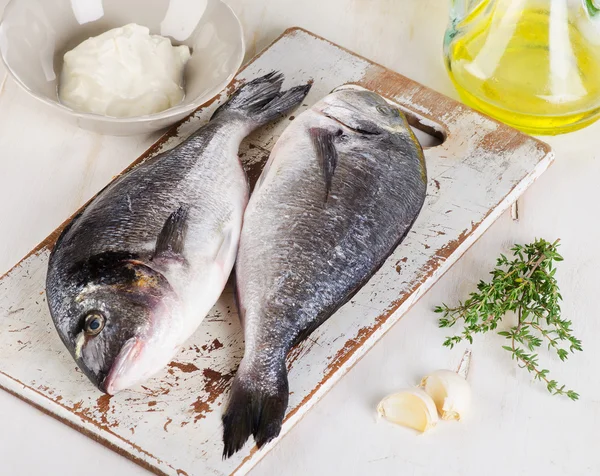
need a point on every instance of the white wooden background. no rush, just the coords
(48, 170)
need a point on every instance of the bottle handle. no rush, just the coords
(592, 7)
(459, 9)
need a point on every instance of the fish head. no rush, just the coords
(364, 112)
(119, 325)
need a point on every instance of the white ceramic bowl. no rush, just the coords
(35, 34)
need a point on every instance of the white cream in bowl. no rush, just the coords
(124, 72)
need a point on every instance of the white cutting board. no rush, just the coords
(171, 425)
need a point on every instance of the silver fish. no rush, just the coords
(341, 189)
(132, 276)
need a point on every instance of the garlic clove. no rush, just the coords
(450, 392)
(412, 408)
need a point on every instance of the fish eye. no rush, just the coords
(94, 323)
(388, 111)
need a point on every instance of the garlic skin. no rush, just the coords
(412, 408)
(450, 392)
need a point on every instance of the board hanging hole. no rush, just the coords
(428, 135)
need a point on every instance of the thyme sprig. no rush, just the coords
(524, 285)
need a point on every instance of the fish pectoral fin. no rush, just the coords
(224, 252)
(323, 142)
(171, 238)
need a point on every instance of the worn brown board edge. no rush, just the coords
(380, 329)
(172, 132)
(47, 242)
(90, 434)
(452, 253)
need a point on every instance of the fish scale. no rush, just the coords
(132, 276)
(342, 188)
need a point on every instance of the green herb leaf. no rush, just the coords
(527, 286)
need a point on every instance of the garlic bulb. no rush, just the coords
(450, 392)
(412, 408)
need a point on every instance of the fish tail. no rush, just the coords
(256, 407)
(262, 100)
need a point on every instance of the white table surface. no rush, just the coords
(48, 169)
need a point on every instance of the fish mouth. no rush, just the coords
(122, 373)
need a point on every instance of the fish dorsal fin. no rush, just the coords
(172, 236)
(323, 142)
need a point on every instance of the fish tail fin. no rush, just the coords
(256, 407)
(262, 99)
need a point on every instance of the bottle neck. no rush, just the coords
(461, 9)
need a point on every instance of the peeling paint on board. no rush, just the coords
(172, 423)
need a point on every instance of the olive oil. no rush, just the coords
(530, 63)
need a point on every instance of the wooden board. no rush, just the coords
(171, 424)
